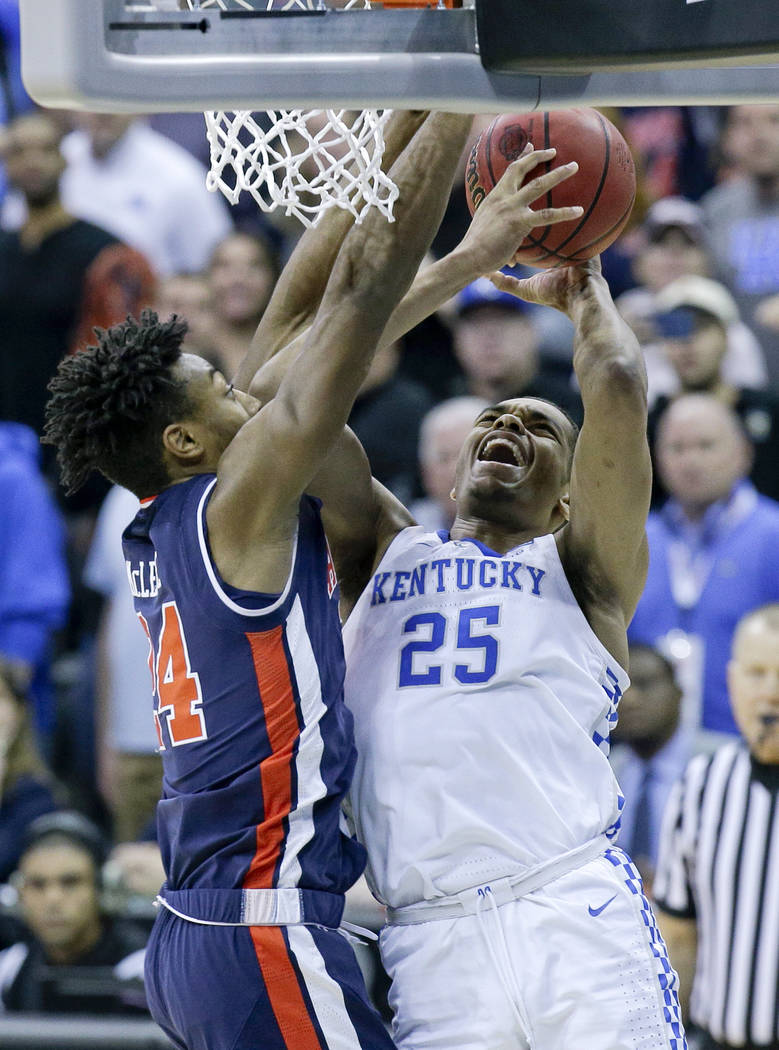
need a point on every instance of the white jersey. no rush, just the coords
(483, 703)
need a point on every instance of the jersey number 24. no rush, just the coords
(178, 698)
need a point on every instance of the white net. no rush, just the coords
(302, 161)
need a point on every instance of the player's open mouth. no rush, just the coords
(504, 448)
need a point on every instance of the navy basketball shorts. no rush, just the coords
(244, 987)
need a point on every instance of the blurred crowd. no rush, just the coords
(101, 215)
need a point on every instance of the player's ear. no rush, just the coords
(181, 442)
(453, 495)
(564, 506)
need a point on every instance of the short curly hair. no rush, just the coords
(110, 404)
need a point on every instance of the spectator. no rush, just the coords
(130, 772)
(713, 555)
(717, 887)
(26, 785)
(145, 189)
(696, 316)
(34, 589)
(189, 296)
(75, 959)
(58, 275)
(742, 216)
(497, 344)
(441, 436)
(673, 245)
(386, 417)
(648, 753)
(241, 274)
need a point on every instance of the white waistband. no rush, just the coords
(509, 888)
(259, 907)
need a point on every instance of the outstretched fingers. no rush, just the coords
(526, 193)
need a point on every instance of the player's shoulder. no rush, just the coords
(414, 537)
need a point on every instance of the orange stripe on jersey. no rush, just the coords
(286, 998)
(281, 724)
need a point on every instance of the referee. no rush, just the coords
(717, 881)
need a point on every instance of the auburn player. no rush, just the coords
(233, 584)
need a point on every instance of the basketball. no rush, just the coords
(604, 185)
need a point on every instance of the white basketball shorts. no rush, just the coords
(576, 965)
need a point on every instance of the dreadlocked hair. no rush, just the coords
(110, 404)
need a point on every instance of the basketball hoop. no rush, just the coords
(301, 161)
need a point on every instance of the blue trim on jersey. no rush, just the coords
(445, 537)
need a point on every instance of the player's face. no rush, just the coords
(516, 457)
(59, 896)
(220, 409)
(753, 679)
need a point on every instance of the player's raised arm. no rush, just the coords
(611, 473)
(302, 283)
(281, 448)
(361, 516)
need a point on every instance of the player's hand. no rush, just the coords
(558, 288)
(505, 217)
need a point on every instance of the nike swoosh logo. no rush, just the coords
(597, 911)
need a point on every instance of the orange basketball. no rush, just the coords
(604, 185)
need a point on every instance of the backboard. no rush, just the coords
(138, 55)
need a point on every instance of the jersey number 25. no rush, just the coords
(434, 625)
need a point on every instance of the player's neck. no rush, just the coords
(495, 535)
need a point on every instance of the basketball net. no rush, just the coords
(303, 161)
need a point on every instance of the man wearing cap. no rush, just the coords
(695, 316)
(675, 245)
(497, 345)
(69, 937)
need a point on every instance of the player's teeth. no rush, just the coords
(502, 441)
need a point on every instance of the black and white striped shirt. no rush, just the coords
(719, 864)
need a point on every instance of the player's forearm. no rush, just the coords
(381, 259)
(607, 359)
(373, 271)
(302, 283)
(432, 287)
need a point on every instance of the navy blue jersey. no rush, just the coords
(256, 742)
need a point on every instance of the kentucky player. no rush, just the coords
(484, 669)
(233, 585)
